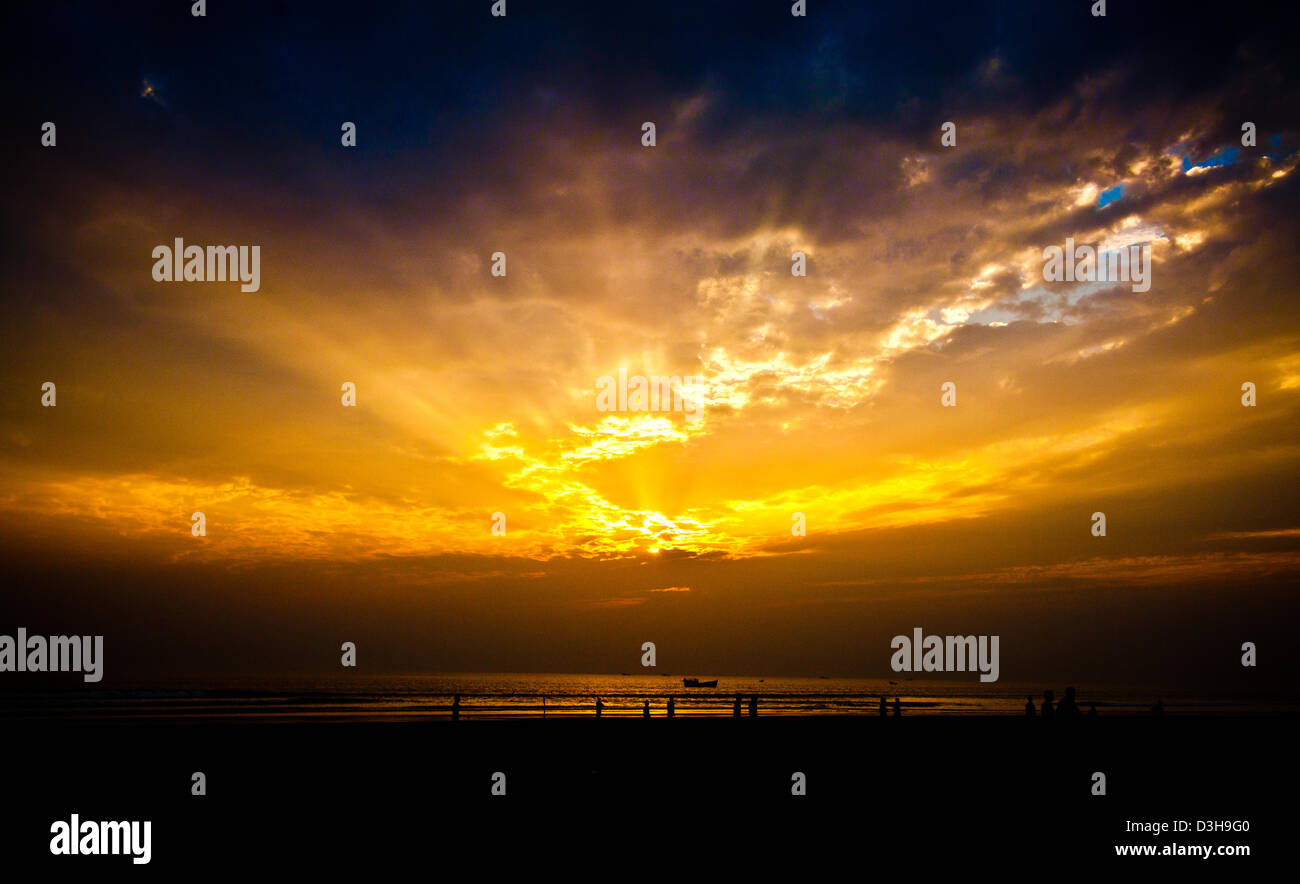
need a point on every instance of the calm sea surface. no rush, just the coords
(503, 695)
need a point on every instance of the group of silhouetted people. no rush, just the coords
(645, 708)
(1068, 708)
(735, 711)
(671, 708)
(884, 707)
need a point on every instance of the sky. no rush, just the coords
(819, 395)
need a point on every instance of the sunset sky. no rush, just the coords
(821, 395)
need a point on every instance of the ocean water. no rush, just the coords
(505, 695)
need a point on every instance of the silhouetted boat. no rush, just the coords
(696, 683)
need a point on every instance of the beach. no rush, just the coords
(343, 791)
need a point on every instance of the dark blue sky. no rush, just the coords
(257, 84)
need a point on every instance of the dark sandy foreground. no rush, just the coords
(625, 794)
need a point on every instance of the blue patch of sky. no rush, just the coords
(1110, 195)
(1054, 301)
(1225, 157)
(1278, 154)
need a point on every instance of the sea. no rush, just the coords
(513, 695)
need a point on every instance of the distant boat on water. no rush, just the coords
(696, 683)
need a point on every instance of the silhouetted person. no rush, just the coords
(898, 708)
(1067, 707)
(884, 707)
(672, 707)
(1092, 710)
(455, 708)
(1158, 709)
(600, 707)
(645, 710)
(735, 710)
(1048, 710)
(1029, 706)
(753, 707)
